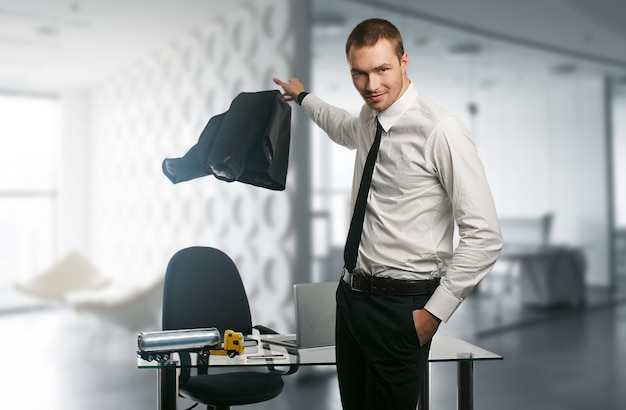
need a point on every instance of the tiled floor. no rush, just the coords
(563, 359)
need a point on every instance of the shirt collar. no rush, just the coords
(389, 116)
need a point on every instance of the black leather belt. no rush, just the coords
(386, 286)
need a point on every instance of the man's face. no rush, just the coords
(378, 75)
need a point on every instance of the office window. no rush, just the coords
(29, 143)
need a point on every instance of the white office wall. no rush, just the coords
(157, 108)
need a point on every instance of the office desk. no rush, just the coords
(550, 274)
(444, 348)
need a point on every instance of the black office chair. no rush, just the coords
(203, 289)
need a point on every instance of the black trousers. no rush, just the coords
(380, 364)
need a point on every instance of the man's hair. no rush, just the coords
(368, 32)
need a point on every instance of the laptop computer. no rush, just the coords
(315, 317)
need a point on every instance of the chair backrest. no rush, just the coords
(533, 231)
(203, 289)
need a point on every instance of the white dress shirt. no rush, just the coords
(427, 176)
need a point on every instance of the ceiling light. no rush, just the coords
(466, 48)
(564, 68)
(422, 41)
(47, 31)
(329, 24)
(329, 20)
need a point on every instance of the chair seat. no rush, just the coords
(237, 388)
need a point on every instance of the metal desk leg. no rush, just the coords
(424, 401)
(168, 386)
(465, 385)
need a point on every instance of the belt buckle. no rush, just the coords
(352, 276)
(355, 284)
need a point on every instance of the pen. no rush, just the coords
(266, 356)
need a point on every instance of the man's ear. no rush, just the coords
(404, 62)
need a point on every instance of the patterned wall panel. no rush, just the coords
(156, 108)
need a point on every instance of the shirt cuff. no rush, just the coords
(442, 304)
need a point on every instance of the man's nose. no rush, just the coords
(372, 82)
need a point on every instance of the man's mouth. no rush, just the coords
(375, 97)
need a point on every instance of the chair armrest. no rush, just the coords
(292, 369)
(264, 330)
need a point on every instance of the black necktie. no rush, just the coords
(356, 224)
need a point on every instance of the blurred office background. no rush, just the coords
(94, 94)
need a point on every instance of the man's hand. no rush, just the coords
(291, 88)
(426, 325)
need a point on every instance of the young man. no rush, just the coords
(401, 277)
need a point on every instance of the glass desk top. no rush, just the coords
(444, 348)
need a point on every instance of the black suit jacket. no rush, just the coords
(248, 143)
